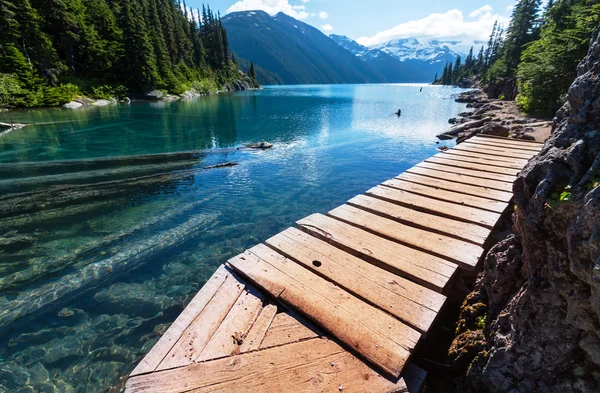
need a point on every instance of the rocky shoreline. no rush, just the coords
(494, 117)
(242, 84)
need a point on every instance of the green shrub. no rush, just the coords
(107, 91)
(10, 90)
(205, 86)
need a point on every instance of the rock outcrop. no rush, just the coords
(535, 312)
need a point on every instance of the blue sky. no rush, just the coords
(376, 21)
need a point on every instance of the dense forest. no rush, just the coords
(539, 52)
(54, 50)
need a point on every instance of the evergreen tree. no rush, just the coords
(549, 65)
(252, 71)
(522, 30)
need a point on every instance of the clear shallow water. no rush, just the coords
(102, 270)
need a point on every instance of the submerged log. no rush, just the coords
(17, 204)
(92, 275)
(91, 176)
(91, 251)
(55, 167)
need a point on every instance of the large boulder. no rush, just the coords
(153, 95)
(540, 329)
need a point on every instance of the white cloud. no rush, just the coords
(481, 11)
(327, 27)
(323, 15)
(449, 26)
(271, 7)
(305, 1)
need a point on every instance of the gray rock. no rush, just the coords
(541, 287)
(102, 102)
(73, 105)
(494, 129)
(153, 95)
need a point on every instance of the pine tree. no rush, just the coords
(522, 30)
(252, 71)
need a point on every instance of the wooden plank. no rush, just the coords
(259, 329)
(493, 151)
(510, 141)
(445, 160)
(377, 336)
(462, 213)
(516, 162)
(476, 160)
(228, 338)
(411, 303)
(448, 196)
(198, 334)
(483, 192)
(317, 365)
(505, 139)
(286, 329)
(468, 172)
(189, 314)
(486, 142)
(426, 269)
(466, 255)
(426, 170)
(476, 234)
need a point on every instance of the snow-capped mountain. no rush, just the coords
(423, 58)
(433, 51)
(392, 68)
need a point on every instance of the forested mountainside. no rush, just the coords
(534, 59)
(53, 50)
(392, 69)
(294, 51)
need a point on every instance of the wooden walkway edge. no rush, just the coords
(340, 302)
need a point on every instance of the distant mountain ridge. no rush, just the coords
(288, 51)
(294, 51)
(426, 58)
(394, 70)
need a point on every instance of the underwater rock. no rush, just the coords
(261, 145)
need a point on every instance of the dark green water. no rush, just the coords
(108, 254)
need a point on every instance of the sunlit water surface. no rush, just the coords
(99, 279)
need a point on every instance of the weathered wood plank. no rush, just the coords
(473, 233)
(377, 336)
(425, 269)
(200, 331)
(466, 255)
(189, 314)
(426, 170)
(286, 329)
(475, 160)
(479, 191)
(229, 336)
(511, 140)
(468, 172)
(462, 213)
(445, 160)
(259, 329)
(448, 196)
(517, 162)
(493, 151)
(503, 145)
(317, 365)
(411, 303)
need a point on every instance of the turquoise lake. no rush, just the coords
(102, 255)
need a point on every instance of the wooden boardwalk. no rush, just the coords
(340, 302)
